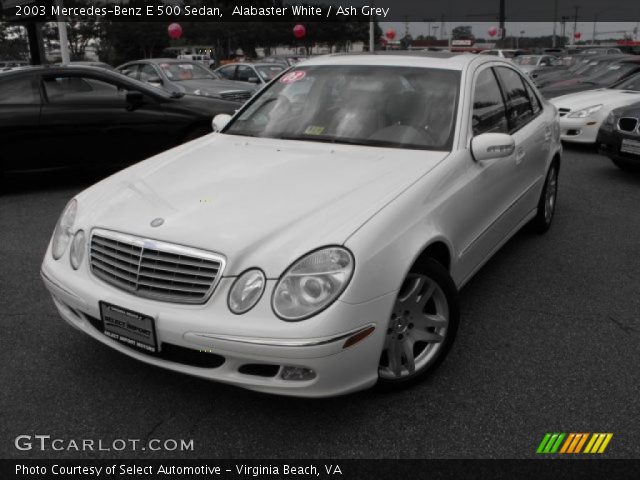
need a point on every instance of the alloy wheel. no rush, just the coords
(417, 328)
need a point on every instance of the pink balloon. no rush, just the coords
(391, 34)
(299, 31)
(493, 31)
(175, 31)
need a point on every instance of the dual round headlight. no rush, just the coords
(312, 283)
(309, 286)
(246, 291)
(76, 254)
(62, 233)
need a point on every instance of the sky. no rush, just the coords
(531, 29)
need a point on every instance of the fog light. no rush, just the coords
(297, 373)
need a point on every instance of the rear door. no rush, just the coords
(532, 136)
(20, 105)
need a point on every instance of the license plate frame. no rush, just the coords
(129, 327)
(630, 146)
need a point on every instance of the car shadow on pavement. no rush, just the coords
(43, 180)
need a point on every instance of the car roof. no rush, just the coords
(62, 68)
(441, 60)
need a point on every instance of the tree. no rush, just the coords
(13, 42)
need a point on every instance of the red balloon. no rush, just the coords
(391, 34)
(493, 31)
(299, 31)
(578, 35)
(175, 31)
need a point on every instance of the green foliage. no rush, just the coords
(13, 42)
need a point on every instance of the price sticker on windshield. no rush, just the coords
(293, 76)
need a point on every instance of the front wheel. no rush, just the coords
(547, 203)
(422, 326)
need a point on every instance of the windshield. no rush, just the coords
(402, 107)
(269, 72)
(526, 60)
(631, 83)
(178, 72)
(612, 73)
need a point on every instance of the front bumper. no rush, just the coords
(257, 338)
(579, 130)
(610, 142)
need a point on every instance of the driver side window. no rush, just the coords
(489, 112)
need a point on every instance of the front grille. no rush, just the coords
(153, 269)
(236, 95)
(628, 124)
(564, 111)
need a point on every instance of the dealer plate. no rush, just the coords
(630, 146)
(129, 327)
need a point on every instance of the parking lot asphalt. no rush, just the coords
(548, 343)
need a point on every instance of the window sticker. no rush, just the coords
(314, 130)
(293, 77)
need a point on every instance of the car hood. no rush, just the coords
(609, 97)
(259, 202)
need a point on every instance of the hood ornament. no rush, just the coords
(156, 222)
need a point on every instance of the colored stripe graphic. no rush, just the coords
(573, 443)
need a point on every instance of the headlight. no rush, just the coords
(76, 253)
(312, 283)
(62, 233)
(585, 112)
(610, 121)
(246, 291)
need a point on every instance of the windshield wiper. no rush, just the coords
(176, 94)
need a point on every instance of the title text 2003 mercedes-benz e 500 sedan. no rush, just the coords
(315, 244)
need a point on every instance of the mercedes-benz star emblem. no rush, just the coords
(156, 222)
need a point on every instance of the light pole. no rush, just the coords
(62, 34)
(555, 21)
(428, 21)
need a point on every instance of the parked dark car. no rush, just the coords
(285, 60)
(6, 65)
(619, 137)
(575, 67)
(256, 73)
(608, 74)
(186, 76)
(86, 116)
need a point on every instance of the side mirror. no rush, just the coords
(220, 121)
(254, 80)
(154, 81)
(492, 145)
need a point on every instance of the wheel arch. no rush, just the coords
(436, 250)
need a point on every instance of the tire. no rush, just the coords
(423, 324)
(547, 203)
(627, 167)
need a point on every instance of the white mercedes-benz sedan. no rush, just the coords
(582, 114)
(315, 244)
